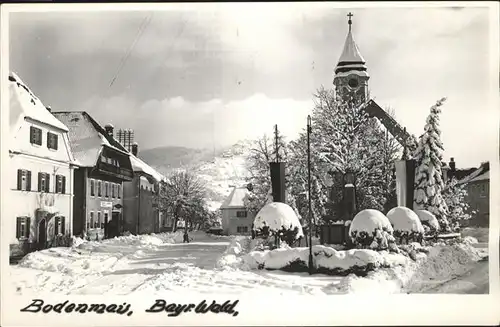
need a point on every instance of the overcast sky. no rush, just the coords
(230, 72)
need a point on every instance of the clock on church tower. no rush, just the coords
(351, 76)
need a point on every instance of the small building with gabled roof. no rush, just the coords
(236, 219)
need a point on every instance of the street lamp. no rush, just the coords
(309, 130)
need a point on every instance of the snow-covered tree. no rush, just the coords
(261, 154)
(455, 197)
(347, 139)
(183, 196)
(429, 184)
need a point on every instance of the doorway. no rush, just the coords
(42, 233)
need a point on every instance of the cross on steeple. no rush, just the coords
(349, 21)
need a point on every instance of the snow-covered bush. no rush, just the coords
(429, 221)
(279, 220)
(406, 225)
(455, 196)
(370, 229)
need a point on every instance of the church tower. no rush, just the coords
(351, 77)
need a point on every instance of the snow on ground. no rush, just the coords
(154, 264)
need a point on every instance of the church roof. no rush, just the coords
(351, 58)
(351, 51)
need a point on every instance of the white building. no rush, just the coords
(40, 173)
(236, 219)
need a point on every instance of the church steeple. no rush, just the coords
(351, 76)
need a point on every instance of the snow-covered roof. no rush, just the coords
(86, 137)
(482, 173)
(351, 51)
(24, 104)
(482, 177)
(140, 166)
(235, 199)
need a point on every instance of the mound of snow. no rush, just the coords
(405, 220)
(469, 240)
(231, 258)
(368, 221)
(277, 215)
(325, 259)
(428, 218)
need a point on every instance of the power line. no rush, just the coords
(142, 27)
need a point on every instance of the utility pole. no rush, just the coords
(276, 142)
(309, 130)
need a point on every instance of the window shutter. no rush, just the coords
(28, 227)
(18, 228)
(47, 183)
(40, 182)
(55, 142)
(28, 181)
(48, 140)
(63, 184)
(19, 178)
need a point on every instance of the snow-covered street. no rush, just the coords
(152, 264)
(156, 264)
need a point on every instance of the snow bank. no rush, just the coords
(442, 263)
(469, 240)
(428, 218)
(277, 215)
(325, 260)
(405, 220)
(231, 258)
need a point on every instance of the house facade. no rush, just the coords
(141, 216)
(478, 194)
(104, 166)
(236, 219)
(40, 175)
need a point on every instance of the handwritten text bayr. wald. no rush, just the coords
(174, 309)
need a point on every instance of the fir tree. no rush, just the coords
(429, 183)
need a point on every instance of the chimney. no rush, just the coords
(452, 164)
(135, 148)
(49, 109)
(109, 129)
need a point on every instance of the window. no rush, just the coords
(98, 220)
(113, 188)
(482, 191)
(35, 135)
(43, 182)
(106, 189)
(99, 188)
(241, 214)
(23, 180)
(118, 191)
(90, 223)
(92, 187)
(23, 228)
(51, 140)
(60, 184)
(59, 225)
(242, 229)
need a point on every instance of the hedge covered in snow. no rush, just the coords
(371, 229)
(406, 224)
(428, 220)
(280, 220)
(326, 260)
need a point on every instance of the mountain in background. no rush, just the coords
(222, 169)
